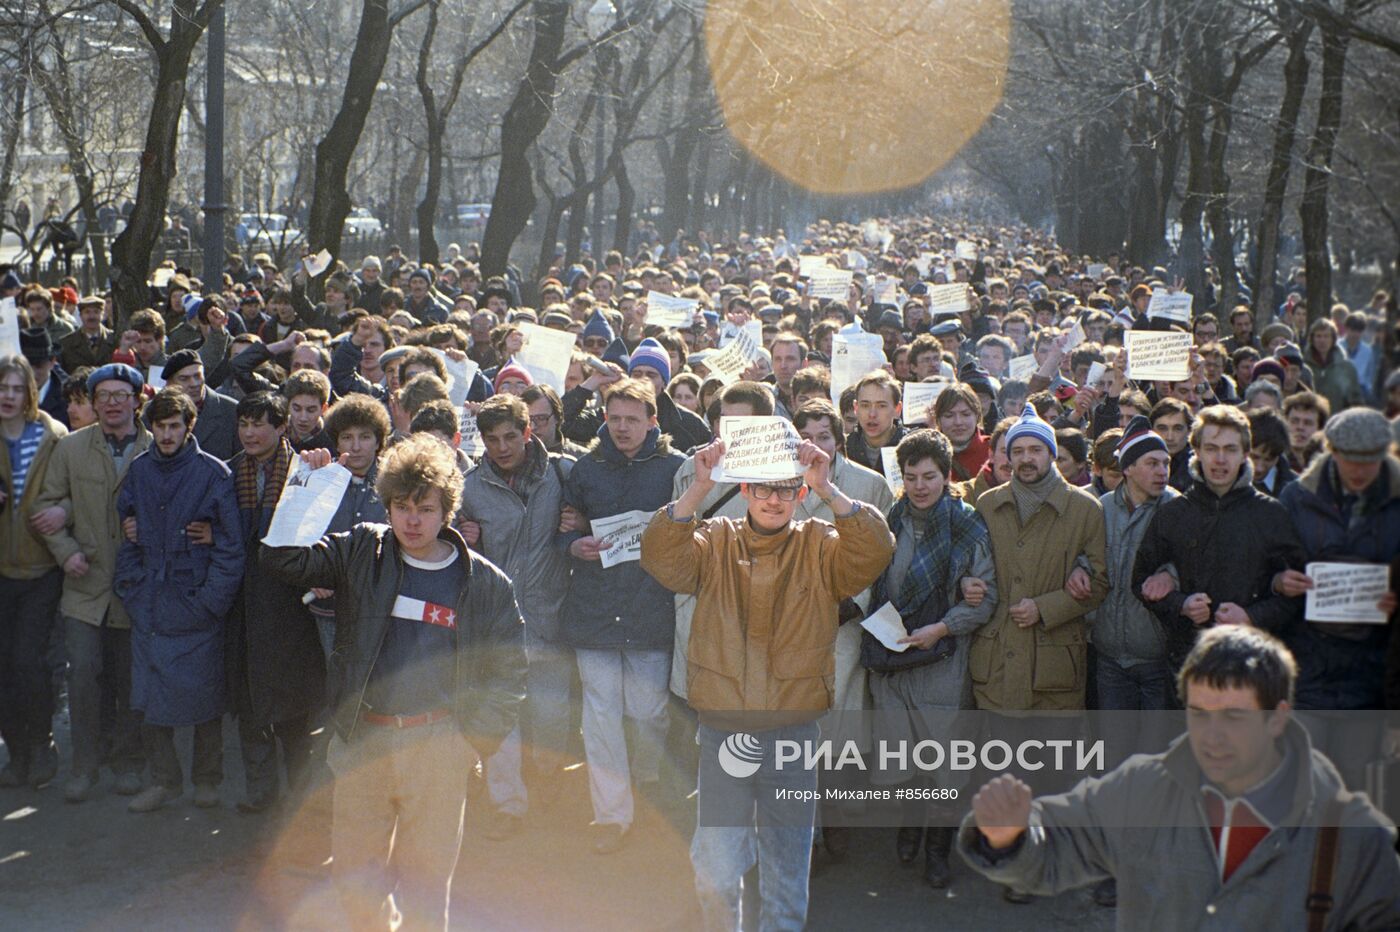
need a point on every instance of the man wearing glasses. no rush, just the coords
(761, 661)
(77, 516)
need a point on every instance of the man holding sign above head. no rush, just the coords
(1226, 539)
(617, 618)
(761, 661)
(1346, 507)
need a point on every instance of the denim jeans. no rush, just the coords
(741, 822)
(1145, 687)
(540, 740)
(28, 610)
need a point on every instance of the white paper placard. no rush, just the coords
(1021, 368)
(162, 276)
(318, 263)
(309, 501)
(966, 250)
(1170, 305)
(834, 284)
(807, 265)
(728, 364)
(9, 328)
(893, 477)
(883, 290)
(854, 354)
(1074, 337)
(471, 443)
(669, 311)
(155, 379)
(1096, 371)
(545, 354)
(623, 532)
(887, 627)
(917, 397)
(460, 374)
(1096, 271)
(757, 449)
(1159, 355)
(947, 299)
(1347, 592)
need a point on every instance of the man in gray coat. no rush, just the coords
(1221, 831)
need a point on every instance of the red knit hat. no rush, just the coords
(511, 370)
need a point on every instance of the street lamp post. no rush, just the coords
(214, 206)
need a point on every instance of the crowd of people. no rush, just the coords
(1055, 535)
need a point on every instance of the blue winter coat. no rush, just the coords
(178, 593)
(621, 607)
(1343, 666)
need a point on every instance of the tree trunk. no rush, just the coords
(432, 190)
(131, 252)
(626, 202)
(1317, 260)
(20, 77)
(1191, 249)
(1295, 85)
(330, 201)
(528, 114)
(700, 190)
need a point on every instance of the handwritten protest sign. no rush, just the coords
(757, 449)
(807, 265)
(1159, 355)
(947, 299)
(1347, 592)
(729, 364)
(887, 627)
(318, 263)
(471, 442)
(1022, 368)
(883, 290)
(309, 501)
(623, 532)
(830, 283)
(669, 311)
(1170, 305)
(893, 476)
(9, 328)
(545, 354)
(854, 353)
(917, 397)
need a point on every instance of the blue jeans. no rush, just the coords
(1143, 687)
(742, 822)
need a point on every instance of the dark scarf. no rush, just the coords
(952, 530)
(245, 478)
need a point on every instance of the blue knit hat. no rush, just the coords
(115, 370)
(597, 326)
(10, 282)
(651, 353)
(1030, 425)
(616, 353)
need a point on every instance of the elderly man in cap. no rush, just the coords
(1042, 530)
(92, 344)
(1346, 508)
(216, 426)
(76, 514)
(37, 347)
(761, 661)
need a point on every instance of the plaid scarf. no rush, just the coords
(245, 478)
(941, 557)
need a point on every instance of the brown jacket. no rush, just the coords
(22, 551)
(764, 632)
(82, 477)
(1043, 666)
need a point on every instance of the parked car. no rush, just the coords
(265, 231)
(362, 223)
(469, 215)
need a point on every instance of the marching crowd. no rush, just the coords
(1054, 534)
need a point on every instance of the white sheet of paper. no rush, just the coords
(1022, 368)
(729, 364)
(893, 477)
(830, 283)
(318, 263)
(154, 379)
(883, 290)
(9, 328)
(946, 299)
(545, 354)
(854, 353)
(923, 262)
(1075, 336)
(669, 311)
(887, 627)
(1347, 592)
(806, 265)
(1163, 355)
(308, 503)
(917, 397)
(966, 250)
(624, 535)
(459, 376)
(162, 276)
(757, 449)
(1096, 371)
(471, 442)
(1175, 306)
(1096, 271)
